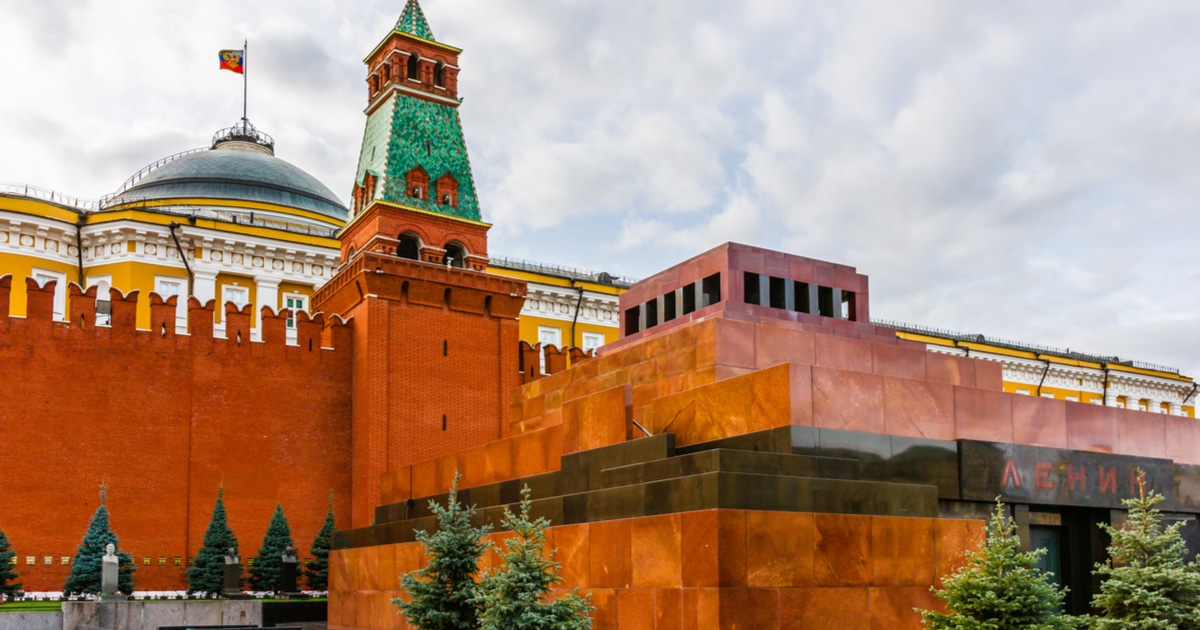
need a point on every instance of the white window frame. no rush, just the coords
(181, 305)
(102, 283)
(234, 288)
(548, 335)
(592, 340)
(60, 290)
(299, 297)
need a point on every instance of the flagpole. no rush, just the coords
(245, 79)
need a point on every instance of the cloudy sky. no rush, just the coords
(1028, 170)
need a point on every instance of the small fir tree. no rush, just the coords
(514, 596)
(1000, 588)
(443, 594)
(9, 587)
(317, 570)
(207, 573)
(1147, 584)
(86, 566)
(264, 572)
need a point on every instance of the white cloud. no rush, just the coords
(1022, 169)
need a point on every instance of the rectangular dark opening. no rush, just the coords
(651, 313)
(711, 289)
(848, 305)
(669, 308)
(802, 303)
(689, 298)
(750, 288)
(631, 320)
(778, 293)
(825, 301)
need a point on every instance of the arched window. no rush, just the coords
(414, 66)
(409, 246)
(439, 74)
(456, 255)
(416, 192)
(447, 200)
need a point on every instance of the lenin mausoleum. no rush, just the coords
(732, 442)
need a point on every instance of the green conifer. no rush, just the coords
(317, 570)
(514, 596)
(264, 572)
(207, 574)
(1146, 583)
(1000, 588)
(443, 594)
(9, 587)
(85, 567)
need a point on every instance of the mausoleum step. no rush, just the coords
(727, 460)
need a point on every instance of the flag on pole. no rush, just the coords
(233, 60)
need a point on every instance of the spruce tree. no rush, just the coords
(1000, 588)
(85, 567)
(443, 594)
(9, 587)
(207, 574)
(1147, 584)
(264, 573)
(514, 596)
(316, 572)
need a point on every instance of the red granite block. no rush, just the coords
(779, 549)
(842, 550)
(776, 344)
(635, 608)
(918, 408)
(902, 551)
(749, 608)
(668, 609)
(948, 368)
(852, 401)
(1092, 428)
(701, 607)
(699, 548)
(800, 269)
(891, 607)
(656, 551)
(824, 608)
(1040, 421)
(843, 353)
(571, 543)
(1142, 434)
(1183, 439)
(846, 278)
(731, 543)
(824, 274)
(980, 414)
(989, 375)
(892, 360)
(734, 344)
(600, 419)
(606, 616)
(951, 540)
(609, 554)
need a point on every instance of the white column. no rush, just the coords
(1110, 399)
(266, 291)
(1175, 409)
(1153, 405)
(205, 281)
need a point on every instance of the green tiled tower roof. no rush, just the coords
(412, 21)
(429, 135)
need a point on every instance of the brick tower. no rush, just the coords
(435, 336)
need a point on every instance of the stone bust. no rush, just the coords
(231, 557)
(110, 554)
(289, 555)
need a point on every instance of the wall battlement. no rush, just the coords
(316, 336)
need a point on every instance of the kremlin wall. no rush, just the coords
(745, 449)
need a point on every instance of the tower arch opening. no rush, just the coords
(409, 246)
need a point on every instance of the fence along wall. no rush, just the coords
(162, 420)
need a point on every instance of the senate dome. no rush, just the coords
(240, 166)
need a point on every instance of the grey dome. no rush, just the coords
(241, 175)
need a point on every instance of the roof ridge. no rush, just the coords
(413, 22)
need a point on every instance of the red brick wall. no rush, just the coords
(163, 420)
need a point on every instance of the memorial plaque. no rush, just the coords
(1048, 476)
